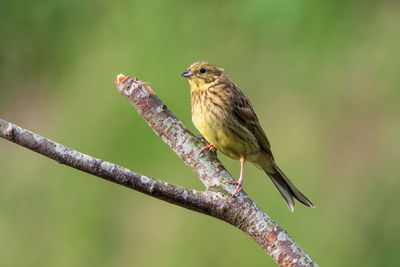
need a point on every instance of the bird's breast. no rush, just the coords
(213, 117)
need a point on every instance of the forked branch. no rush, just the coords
(215, 201)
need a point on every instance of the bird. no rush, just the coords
(226, 119)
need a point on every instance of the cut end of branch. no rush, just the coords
(120, 78)
(126, 85)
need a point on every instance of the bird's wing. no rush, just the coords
(245, 114)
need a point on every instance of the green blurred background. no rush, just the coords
(323, 77)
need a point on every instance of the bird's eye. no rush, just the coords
(203, 70)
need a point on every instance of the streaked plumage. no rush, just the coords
(226, 119)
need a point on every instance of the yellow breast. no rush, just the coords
(218, 126)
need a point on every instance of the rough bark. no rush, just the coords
(216, 200)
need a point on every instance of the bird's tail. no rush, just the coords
(285, 187)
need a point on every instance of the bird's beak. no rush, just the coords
(187, 73)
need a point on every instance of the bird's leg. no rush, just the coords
(240, 181)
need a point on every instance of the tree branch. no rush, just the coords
(215, 201)
(187, 198)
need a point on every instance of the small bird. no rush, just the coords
(226, 119)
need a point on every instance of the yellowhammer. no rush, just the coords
(226, 119)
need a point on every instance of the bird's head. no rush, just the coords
(201, 74)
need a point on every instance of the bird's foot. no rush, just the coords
(208, 147)
(238, 187)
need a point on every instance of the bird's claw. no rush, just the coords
(238, 187)
(208, 147)
(237, 190)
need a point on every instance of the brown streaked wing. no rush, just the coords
(245, 114)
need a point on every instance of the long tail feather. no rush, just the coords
(286, 188)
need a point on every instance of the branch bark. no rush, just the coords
(215, 201)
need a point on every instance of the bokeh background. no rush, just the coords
(323, 77)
